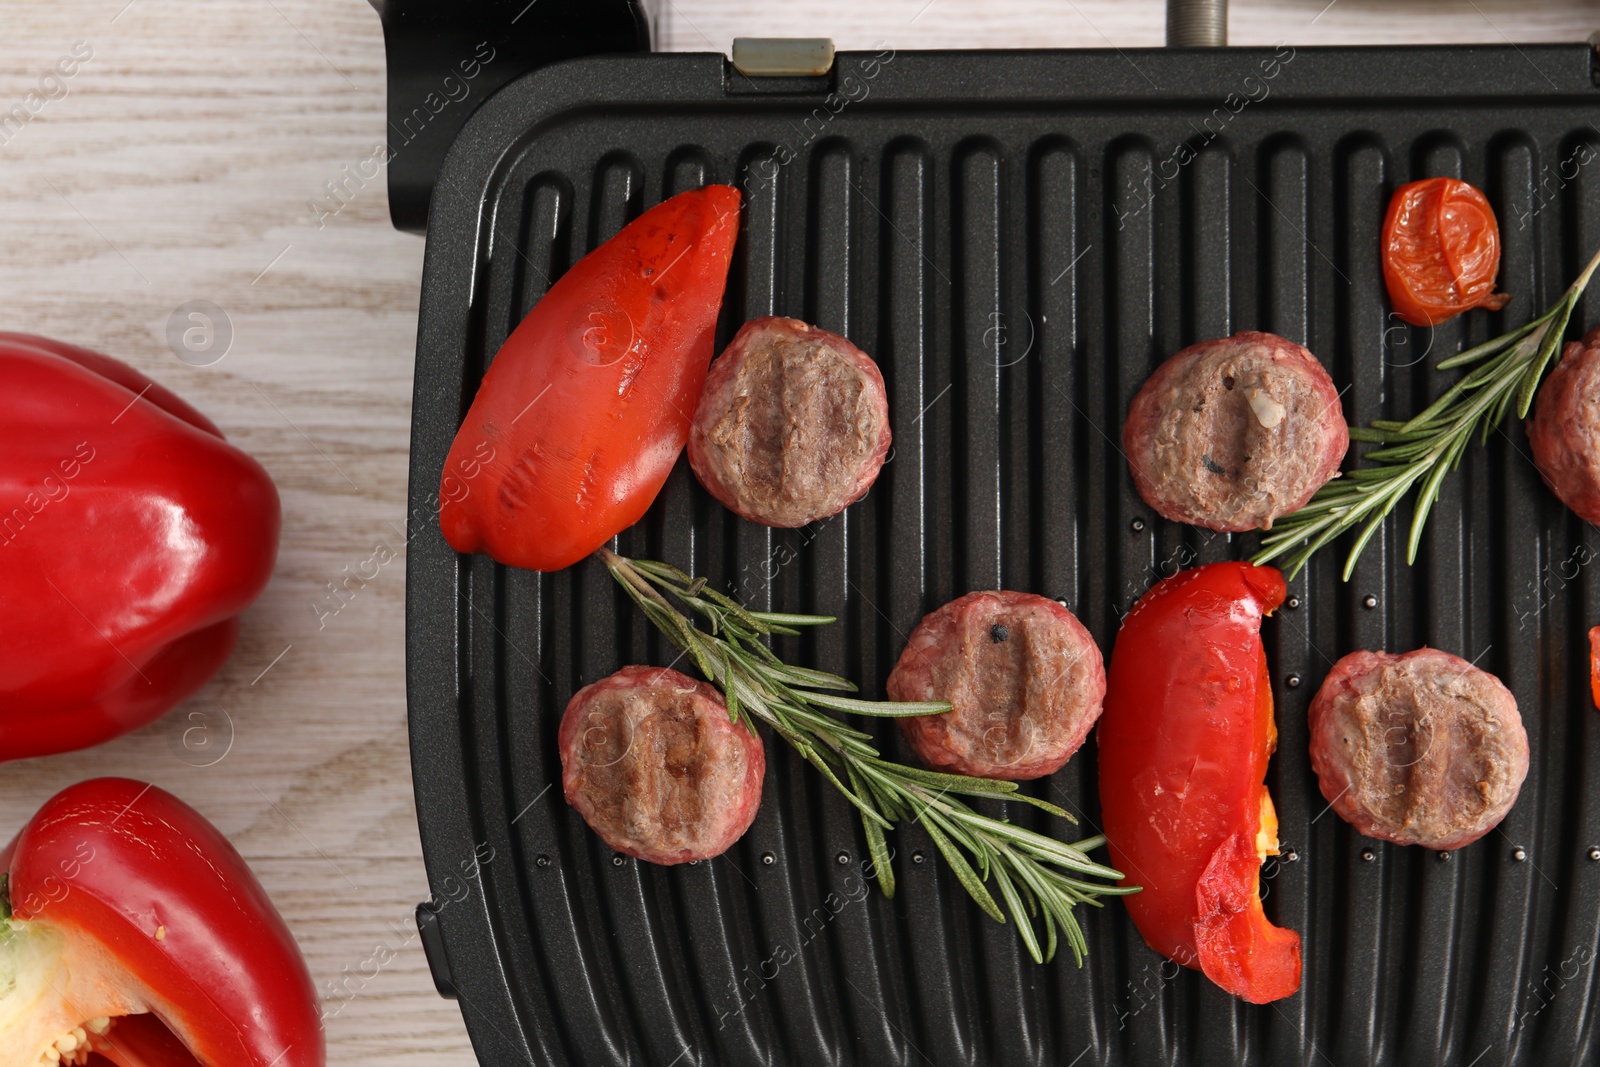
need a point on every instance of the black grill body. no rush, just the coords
(1018, 238)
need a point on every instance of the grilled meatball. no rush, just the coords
(1230, 434)
(792, 426)
(1024, 679)
(1565, 428)
(1419, 749)
(652, 762)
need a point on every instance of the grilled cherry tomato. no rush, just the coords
(587, 405)
(1594, 665)
(1184, 743)
(132, 934)
(1441, 251)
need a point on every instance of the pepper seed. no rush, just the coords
(1137, 525)
(1369, 601)
(768, 859)
(1293, 681)
(1292, 603)
(918, 857)
(1367, 855)
(1519, 854)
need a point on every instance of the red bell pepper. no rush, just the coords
(131, 536)
(134, 932)
(587, 405)
(1184, 742)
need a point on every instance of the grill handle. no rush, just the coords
(446, 57)
(1197, 23)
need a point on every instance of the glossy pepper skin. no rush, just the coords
(587, 405)
(1184, 743)
(136, 929)
(131, 537)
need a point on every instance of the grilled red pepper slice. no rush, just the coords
(588, 403)
(1184, 743)
(137, 934)
(1594, 665)
(133, 534)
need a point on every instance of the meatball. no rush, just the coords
(654, 765)
(1419, 749)
(1565, 428)
(1231, 434)
(1024, 679)
(792, 426)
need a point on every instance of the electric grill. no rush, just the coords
(1019, 238)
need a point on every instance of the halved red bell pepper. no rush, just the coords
(134, 932)
(131, 536)
(587, 405)
(1184, 743)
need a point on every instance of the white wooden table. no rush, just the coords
(178, 166)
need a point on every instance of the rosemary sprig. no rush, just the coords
(1427, 447)
(1039, 878)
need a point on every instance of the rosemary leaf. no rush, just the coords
(963, 871)
(1024, 920)
(775, 618)
(890, 709)
(817, 679)
(877, 847)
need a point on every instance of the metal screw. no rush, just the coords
(1288, 855)
(842, 858)
(1369, 601)
(1292, 603)
(1293, 681)
(918, 857)
(1367, 855)
(541, 860)
(616, 861)
(1519, 854)
(768, 859)
(1444, 857)
(1594, 853)
(1137, 525)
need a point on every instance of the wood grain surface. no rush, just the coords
(177, 164)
